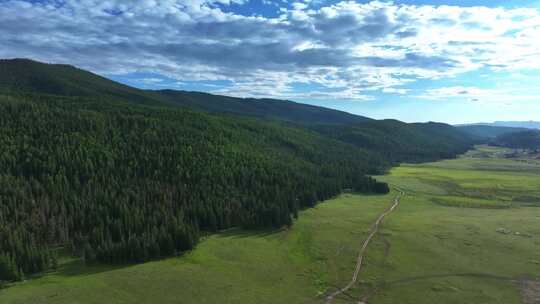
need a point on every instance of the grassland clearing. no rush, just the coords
(454, 252)
(471, 250)
(294, 265)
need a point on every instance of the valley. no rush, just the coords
(482, 246)
(269, 152)
(115, 175)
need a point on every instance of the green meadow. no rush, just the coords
(466, 231)
(294, 265)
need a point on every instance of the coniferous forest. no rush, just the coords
(116, 181)
(528, 139)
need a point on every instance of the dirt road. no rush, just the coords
(373, 231)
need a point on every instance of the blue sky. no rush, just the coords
(440, 60)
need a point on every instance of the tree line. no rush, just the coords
(528, 140)
(118, 183)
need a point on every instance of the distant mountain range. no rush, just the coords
(487, 131)
(512, 124)
(498, 128)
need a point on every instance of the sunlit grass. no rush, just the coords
(463, 233)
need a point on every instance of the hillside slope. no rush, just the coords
(520, 140)
(488, 131)
(115, 174)
(22, 75)
(120, 183)
(262, 108)
(401, 142)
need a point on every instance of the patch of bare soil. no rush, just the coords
(530, 291)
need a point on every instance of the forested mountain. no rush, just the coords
(118, 176)
(23, 75)
(126, 183)
(521, 140)
(401, 142)
(263, 108)
(488, 131)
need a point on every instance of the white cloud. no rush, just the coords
(501, 97)
(150, 80)
(396, 91)
(472, 93)
(299, 5)
(361, 47)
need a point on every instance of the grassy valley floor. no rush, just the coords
(467, 231)
(288, 266)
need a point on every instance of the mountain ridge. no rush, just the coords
(416, 141)
(26, 75)
(488, 131)
(527, 124)
(120, 175)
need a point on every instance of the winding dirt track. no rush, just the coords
(374, 229)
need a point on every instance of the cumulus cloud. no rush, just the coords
(348, 45)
